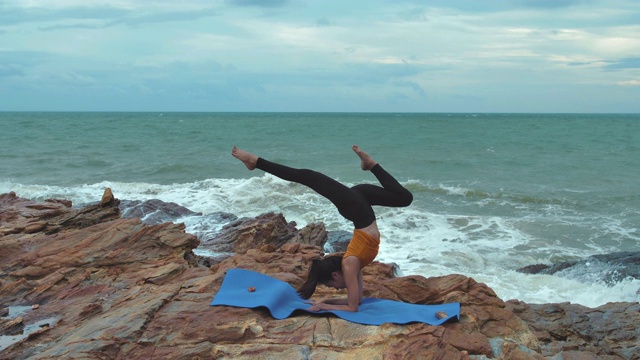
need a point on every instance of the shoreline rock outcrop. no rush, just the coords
(613, 268)
(109, 287)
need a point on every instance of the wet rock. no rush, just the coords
(206, 227)
(339, 240)
(247, 233)
(154, 211)
(608, 331)
(11, 326)
(534, 269)
(608, 268)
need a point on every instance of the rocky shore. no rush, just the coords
(78, 283)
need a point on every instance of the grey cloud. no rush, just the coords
(166, 17)
(496, 5)
(10, 15)
(104, 16)
(348, 74)
(580, 63)
(11, 70)
(136, 20)
(416, 88)
(552, 4)
(466, 5)
(23, 59)
(259, 3)
(626, 63)
(381, 72)
(74, 26)
(323, 22)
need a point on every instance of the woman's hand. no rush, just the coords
(319, 306)
(329, 304)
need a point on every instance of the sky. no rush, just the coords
(522, 56)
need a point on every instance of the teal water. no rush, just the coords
(493, 192)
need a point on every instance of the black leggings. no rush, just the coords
(353, 203)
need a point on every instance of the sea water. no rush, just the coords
(492, 192)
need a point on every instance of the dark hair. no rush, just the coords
(320, 272)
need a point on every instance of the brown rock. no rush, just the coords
(22, 216)
(90, 310)
(267, 229)
(609, 331)
(244, 234)
(107, 197)
(118, 288)
(154, 211)
(11, 326)
(312, 234)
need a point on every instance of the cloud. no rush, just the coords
(629, 83)
(19, 61)
(18, 15)
(552, 4)
(417, 89)
(101, 16)
(323, 22)
(488, 6)
(627, 63)
(11, 70)
(134, 19)
(259, 3)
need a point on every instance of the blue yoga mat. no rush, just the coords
(282, 300)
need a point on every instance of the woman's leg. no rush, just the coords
(390, 194)
(336, 192)
(351, 204)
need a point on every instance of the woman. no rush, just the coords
(355, 205)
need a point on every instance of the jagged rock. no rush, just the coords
(107, 197)
(11, 326)
(339, 240)
(610, 268)
(154, 211)
(609, 331)
(312, 234)
(243, 234)
(118, 288)
(21, 216)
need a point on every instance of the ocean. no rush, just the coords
(493, 192)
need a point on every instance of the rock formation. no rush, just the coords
(613, 267)
(109, 287)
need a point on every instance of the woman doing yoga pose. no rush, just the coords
(355, 204)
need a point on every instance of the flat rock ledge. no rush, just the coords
(88, 284)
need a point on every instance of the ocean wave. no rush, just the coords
(482, 196)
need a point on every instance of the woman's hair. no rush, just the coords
(320, 272)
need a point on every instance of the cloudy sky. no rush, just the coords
(320, 55)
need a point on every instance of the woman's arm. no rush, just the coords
(335, 301)
(353, 280)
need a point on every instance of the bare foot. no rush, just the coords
(367, 162)
(246, 157)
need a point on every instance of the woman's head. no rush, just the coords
(321, 272)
